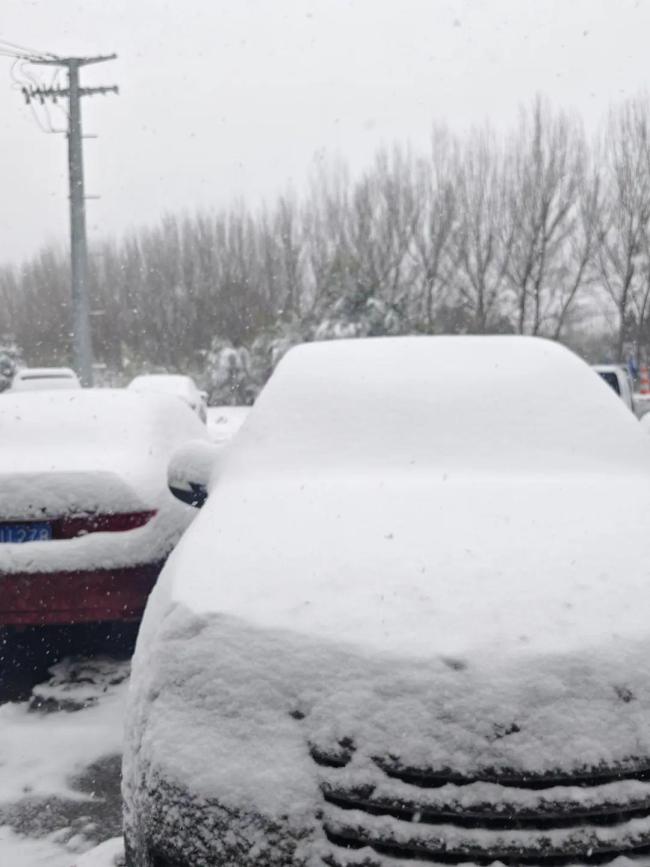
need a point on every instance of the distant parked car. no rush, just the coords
(618, 379)
(44, 378)
(177, 384)
(86, 518)
(405, 629)
(225, 421)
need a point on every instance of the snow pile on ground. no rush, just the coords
(40, 753)
(380, 566)
(224, 422)
(107, 854)
(53, 752)
(16, 851)
(75, 684)
(85, 452)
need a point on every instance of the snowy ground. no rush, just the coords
(60, 753)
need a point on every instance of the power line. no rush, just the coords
(21, 77)
(29, 79)
(19, 55)
(32, 52)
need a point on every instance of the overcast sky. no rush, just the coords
(226, 98)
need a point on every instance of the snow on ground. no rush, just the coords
(16, 851)
(20, 852)
(107, 854)
(40, 752)
(59, 768)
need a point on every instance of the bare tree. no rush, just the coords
(477, 235)
(623, 233)
(546, 165)
(436, 229)
(282, 257)
(576, 271)
(361, 232)
(485, 238)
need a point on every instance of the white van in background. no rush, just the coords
(44, 379)
(177, 384)
(617, 377)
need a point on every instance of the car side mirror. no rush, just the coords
(189, 471)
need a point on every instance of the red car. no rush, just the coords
(86, 519)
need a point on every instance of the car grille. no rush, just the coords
(379, 812)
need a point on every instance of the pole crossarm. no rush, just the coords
(70, 61)
(55, 93)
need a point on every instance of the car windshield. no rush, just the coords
(27, 376)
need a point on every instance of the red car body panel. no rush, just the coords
(62, 598)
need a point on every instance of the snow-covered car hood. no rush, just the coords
(420, 616)
(427, 567)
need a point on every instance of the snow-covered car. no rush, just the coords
(404, 630)
(86, 518)
(618, 379)
(44, 378)
(224, 422)
(176, 384)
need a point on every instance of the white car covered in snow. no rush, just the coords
(224, 422)
(403, 630)
(177, 384)
(44, 378)
(86, 519)
(618, 379)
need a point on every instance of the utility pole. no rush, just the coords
(81, 333)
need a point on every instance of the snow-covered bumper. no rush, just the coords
(66, 598)
(252, 747)
(101, 576)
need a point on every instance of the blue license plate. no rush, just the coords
(38, 531)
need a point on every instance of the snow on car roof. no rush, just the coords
(45, 372)
(368, 500)
(88, 437)
(168, 383)
(403, 402)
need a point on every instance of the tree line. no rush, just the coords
(541, 231)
